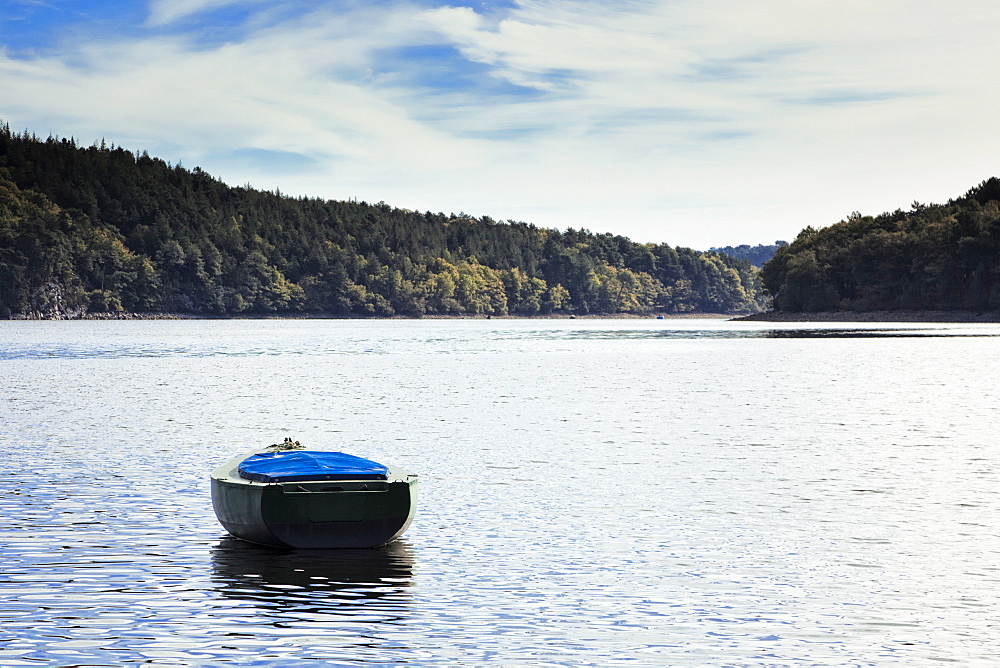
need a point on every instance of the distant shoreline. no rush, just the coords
(874, 316)
(354, 316)
(768, 316)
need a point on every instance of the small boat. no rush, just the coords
(288, 496)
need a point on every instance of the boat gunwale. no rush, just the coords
(229, 472)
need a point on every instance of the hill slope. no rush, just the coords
(933, 257)
(101, 229)
(756, 255)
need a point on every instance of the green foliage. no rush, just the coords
(932, 257)
(756, 255)
(103, 229)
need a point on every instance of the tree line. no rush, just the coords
(100, 228)
(757, 255)
(934, 256)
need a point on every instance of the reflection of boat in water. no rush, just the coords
(285, 578)
(287, 496)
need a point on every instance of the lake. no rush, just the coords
(671, 492)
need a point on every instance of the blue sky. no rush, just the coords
(692, 122)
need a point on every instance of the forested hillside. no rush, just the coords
(757, 255)
(102, 229)
(942, 256)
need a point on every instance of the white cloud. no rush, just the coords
(165, 12)
(695, 123)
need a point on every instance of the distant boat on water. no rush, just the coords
(288, 496)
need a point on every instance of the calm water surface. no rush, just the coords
(655, 492)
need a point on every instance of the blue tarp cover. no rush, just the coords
(295, 465)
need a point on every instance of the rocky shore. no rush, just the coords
(769, 316)
(113, 315)
(124, 315)
(875, 316)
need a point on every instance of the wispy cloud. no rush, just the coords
(165, 12)
(698, 123)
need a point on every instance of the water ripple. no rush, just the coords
(639, 493)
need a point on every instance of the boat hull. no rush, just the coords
(315, 514)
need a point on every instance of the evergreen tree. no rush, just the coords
(101, 229)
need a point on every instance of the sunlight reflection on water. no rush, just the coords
(665, 492)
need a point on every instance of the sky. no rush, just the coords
(697, 123)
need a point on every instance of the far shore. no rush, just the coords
(769, 316)
(124, 315)
(874, 316)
